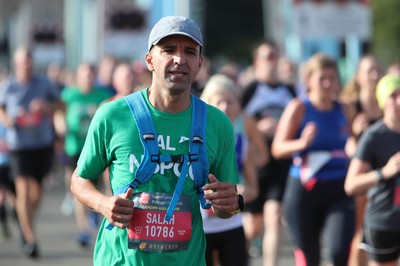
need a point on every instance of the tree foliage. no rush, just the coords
(386, 30)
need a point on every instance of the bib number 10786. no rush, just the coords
(159, 231)
(149, 231)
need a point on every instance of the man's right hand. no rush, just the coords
(118, 209)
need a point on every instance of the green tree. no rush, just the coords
(386, 30)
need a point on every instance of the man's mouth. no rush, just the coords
(178, 73)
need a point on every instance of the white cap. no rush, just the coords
(175, 25)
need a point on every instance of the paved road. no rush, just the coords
(57, 232)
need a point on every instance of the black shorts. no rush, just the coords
(231, 245)
(6, 180)
(271, 182)
(35, 163)
(382, 246)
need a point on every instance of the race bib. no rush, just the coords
(29, 119)
(150, 232)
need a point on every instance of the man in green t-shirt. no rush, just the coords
(174, 58)
(81, 102)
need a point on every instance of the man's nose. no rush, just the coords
(179, 57)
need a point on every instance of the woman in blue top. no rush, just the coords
(314, 132)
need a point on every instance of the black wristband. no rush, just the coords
(240, 203)
(379, 175)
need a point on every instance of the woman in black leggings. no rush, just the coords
(314, 131)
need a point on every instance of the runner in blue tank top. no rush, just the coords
(328, 144)
(314, 132)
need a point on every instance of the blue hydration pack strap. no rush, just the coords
(197, 156)
(198, 146)
(148, 137)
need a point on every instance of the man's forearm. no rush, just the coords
(87, 192)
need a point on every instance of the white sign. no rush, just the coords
(126, 44)
(337, 20)
(45, 54)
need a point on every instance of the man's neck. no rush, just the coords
(167, 102)
(23, 78)
(392, 123)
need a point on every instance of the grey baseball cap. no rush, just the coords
(172, 25)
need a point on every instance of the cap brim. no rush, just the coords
(177, 33)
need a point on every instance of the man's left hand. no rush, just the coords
(222, 195)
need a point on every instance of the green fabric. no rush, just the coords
(109, 143)
(80, 109)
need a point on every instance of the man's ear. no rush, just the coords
(201, 61)
(149, 62)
